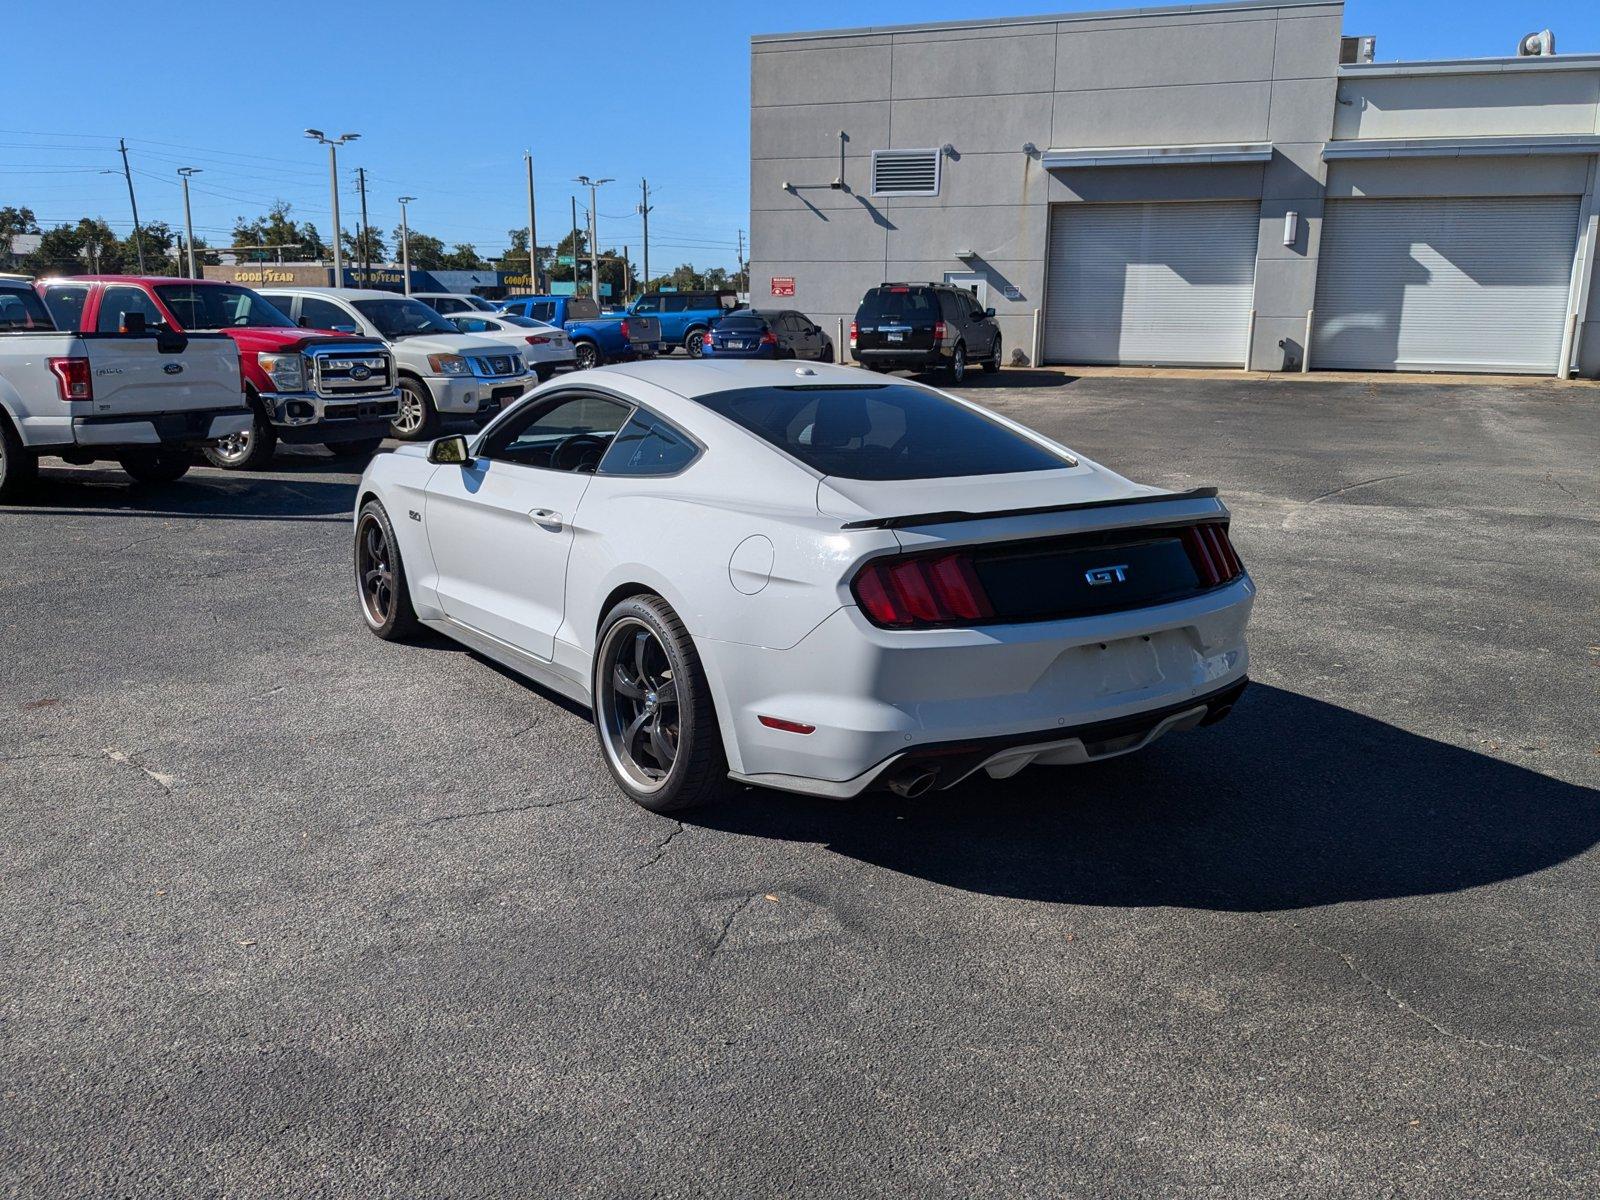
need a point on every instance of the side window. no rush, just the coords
(544, 310)
(66, 305)
(648, 304)
(472, 325)
(566, 433)
(317, 313)
(674, 304)
(977, 309)
(118, 302)
(447, 304)
(647, 445)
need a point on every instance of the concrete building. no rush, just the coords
(1188, 185)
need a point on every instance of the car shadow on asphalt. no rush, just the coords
(1289, 803)
(1012, 377)
(202, 495)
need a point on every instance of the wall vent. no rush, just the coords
(905, 172)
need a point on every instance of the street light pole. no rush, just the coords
(405, 243)
(533, 234)
(333, 145)
(188, 220)
(594, 231)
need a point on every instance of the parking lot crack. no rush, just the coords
(1387, 993)
(727, 924)
(496, 812)
(1350, 487)
(661, 847)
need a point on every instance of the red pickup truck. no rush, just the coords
(302, 385)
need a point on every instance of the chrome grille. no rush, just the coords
(494, 366)
(357, 370)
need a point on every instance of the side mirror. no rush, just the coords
(988, 312)
(304, 322)
(448, 451)
(134, 322)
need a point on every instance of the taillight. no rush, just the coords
(536, 340)
(1211, 554)
(938, 331)
(624, 330)
(769, 338)
(73, 381)
(926, 590)
(854, 331)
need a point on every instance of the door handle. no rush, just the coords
(547, 517)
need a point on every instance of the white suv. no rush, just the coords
(443, 374)
(449, 303)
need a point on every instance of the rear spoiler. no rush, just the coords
(945, 518)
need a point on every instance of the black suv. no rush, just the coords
(921, 326)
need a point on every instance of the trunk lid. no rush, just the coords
(130, 374)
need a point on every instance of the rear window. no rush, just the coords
(746, 321)
(882, 431)
(21, 308)
(581, 308)
(905, 305)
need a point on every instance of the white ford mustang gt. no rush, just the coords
(810, 578)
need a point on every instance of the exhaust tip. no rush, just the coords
(913, 782)
(1217, 714)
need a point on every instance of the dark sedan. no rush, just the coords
(783, 333)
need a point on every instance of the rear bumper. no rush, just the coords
(1049, 691)
(160, 429)
(901, 360)
(760, 352)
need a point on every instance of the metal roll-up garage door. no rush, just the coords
(1460, 283)
(1151, 283)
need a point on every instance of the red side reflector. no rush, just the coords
(786, 726)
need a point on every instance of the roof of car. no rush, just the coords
(338, 293)
(146, 279)
(704, 376)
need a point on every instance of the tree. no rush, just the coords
(158, 240)
(516, 256)
(364, 245)
(464, 257)
(427, 252)
(277, 229)
(91, 245)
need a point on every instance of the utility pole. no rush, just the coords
(594, 231)
(366, 230)
(405, 243)
(741, 262)
(533, 232)
(644, 211)
(188, 221)
(138, 234)
(574, 245)
(333, 145)
(627, 277)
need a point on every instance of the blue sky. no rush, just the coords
(624, 89)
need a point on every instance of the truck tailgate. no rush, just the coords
(131, 375)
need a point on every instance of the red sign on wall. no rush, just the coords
(783, 285)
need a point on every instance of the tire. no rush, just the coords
(19, 466)
(417, 417)
(545, 374)
(249, 451)
(587, 355)
(697, 771)
(666, 349)
(693, 346)
(991, 365)
(827, 355)
(381, 590)
(958, 363)
(156, 466)
(362, 448)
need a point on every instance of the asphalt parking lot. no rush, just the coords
(289, 911)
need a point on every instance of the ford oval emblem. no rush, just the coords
(360, 372)
(173, 368)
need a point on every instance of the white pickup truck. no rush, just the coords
(144, 400)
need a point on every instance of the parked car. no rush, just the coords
(303, 388)
(924, 326)
(443, 375)
(596, 339)
(446, 303)
(747, 333)
(793, 577)
(546, 348)
(684, 316)
(141, 397)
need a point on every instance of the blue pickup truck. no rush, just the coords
(684, 316)
(595, 338)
